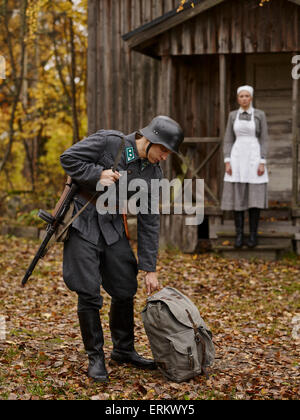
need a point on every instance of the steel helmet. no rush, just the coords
(163, 130)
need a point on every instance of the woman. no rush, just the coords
(246, 176)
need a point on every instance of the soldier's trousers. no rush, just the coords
(86, 267)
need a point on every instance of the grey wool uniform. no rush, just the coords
(97, 251)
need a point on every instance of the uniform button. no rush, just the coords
(129, 171)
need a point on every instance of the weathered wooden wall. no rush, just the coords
(237, 26)
(122, 84)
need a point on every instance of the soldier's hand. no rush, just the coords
(108, 177)
(151, 282)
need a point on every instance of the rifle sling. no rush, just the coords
(92, 198)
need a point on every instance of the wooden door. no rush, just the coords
(270, 75)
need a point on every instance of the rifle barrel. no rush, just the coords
(39, 254)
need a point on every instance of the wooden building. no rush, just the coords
(145, 59)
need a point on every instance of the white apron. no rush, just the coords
(245, 154)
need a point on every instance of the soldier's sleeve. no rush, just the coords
(80, 161)
(148, 228)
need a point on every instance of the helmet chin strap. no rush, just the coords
(148, 148)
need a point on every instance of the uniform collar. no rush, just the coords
(130, 147)
(131, 151)
(249, 110)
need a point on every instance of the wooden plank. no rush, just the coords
(199, 41)
(209, 191)
(295, 176)
(223, 35)
(168, 5)
(115, 93)
(186, 38)
(222, 115)
(196, 140)
(236, 38)
(207, 158)
(127, 104)
(157, 9)
(92, 66)
(101, 81)
(147, 11)
(167, 79)
(124, 70)
(105, 77)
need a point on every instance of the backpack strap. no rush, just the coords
(198, 340)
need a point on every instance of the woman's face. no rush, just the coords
(244, 99)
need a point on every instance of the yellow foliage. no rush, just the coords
(42, 121)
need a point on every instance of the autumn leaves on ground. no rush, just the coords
(249, 307)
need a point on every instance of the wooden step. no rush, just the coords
(261, 234)
(283, 239)
(277, 228)
(265, 252)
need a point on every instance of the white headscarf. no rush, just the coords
(247, 88)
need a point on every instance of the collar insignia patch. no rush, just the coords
(129, 154)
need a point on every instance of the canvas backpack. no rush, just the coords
(180, 341)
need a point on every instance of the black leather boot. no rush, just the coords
(122, 333)
(239, 228)
(92, 337)
(253, 226)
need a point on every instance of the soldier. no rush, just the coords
(97, 251)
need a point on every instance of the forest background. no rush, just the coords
(43, 45)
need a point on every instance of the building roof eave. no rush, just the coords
(143, 34)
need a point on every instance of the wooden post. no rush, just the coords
(222, 93)
(165, 103)
(295, 105)
(92, 67)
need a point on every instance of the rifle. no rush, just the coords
(54, 220)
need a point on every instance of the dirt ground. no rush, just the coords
(250, 306)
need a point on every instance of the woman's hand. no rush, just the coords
(151, 282)
(108, 177)
(228, 169)
(261, 169)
